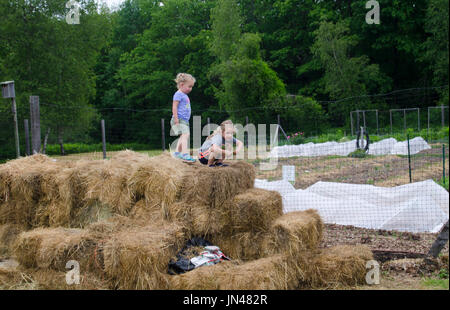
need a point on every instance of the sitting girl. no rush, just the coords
(211, 152)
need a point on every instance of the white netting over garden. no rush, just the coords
(416, 207)
(383, 147)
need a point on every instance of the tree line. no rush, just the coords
(252, 59)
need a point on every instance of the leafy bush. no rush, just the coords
(358, 154)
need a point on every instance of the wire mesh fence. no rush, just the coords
(398, 183)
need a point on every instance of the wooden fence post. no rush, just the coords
(35, 125)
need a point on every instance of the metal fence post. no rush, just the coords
(443, 163)
(428, 130)
(163, 135)
(404, 120)
(351, 122)
(390, 118)
(27, 137)
(409, 160)
(418, 119)
(103, 139)
(378, 130)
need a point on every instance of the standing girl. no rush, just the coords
(181, 113)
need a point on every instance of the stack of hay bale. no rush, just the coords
(125, 218)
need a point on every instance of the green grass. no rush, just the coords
(75, 148)
(443, 184)
(436, 283)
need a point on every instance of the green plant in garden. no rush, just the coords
(436, 283)
(358, 154)
(443, 273)
(443, 183)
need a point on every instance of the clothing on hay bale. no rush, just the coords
(270, 273)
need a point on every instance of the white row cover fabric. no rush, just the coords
(416, 207)
(383, 147)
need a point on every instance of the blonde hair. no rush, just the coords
(184, 77)
(223, 126)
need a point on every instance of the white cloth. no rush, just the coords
(416, 207)
(383, 147)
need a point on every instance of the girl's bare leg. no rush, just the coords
(182, 143)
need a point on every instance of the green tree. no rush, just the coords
(248, 86)
(54, 60)
(436, 47)
(345, 76)
(176, 41)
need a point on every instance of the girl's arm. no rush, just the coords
(239, 146)
(175, 110)
(218, 150)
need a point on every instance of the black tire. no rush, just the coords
(358, 136)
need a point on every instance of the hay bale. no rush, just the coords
(138, 258)
(32, 279)
(52, 248)
(342, 265)
(270, 273)
(130, 157)
(8, 234)
(243, 246)
(147, 211)
(158, 180)
(251, 211)
(295, 232)
(108, 183)
(16, 166)
(93, 190)
(28, 189)
(254, 210)
(212, 187)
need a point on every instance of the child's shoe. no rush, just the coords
(176, 154)
(221, 165)
(187, 157)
